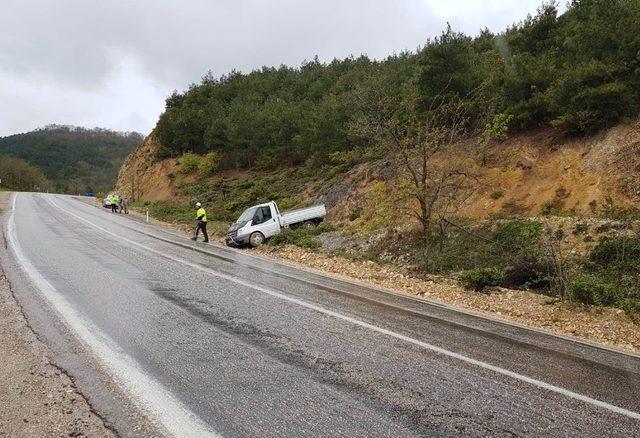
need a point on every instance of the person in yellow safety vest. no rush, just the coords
(201, 218)
(113, 201)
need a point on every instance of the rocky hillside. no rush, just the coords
(526, 175)
(534, 173)
(143, 177)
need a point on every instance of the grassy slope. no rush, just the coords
(226, 195)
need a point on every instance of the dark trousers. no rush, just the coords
(202, 226)
(114, 208)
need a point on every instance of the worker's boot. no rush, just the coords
(194, 238)
(206, 240)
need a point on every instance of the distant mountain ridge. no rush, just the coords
(74, 159)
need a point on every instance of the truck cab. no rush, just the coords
(256, 224)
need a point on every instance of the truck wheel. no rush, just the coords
(308, 225)
(256, 239)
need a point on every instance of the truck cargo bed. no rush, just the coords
(315, 213)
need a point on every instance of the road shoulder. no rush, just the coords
(37, 398)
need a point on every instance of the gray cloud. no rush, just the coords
(112, 63)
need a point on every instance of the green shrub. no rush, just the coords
(631, 305)
(267, 160)
(300, 237)
(591, 106)
(554, 208)
(346, 158)
(580, 228)
(316, 160)
(355, 214)
(604, 228)
(303, 237)
(498, 128)
(480, 278)
(527, 274)
(519, 235)
(496, 195)
(589, 289)
(547, 209)
(208, 164)
(189, 163)
(288, 203)
(611, 210)
(559, 234)
(168, 211)
(623, 249)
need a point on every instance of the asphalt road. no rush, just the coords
(212, 341)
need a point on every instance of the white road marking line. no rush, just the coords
(535, 382)
(155, 400)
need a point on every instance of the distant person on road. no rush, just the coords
(113, 202)
(201, 219)
(124, 205)
(120, 207)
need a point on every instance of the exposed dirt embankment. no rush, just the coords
(520, 176)
(528, 173)
(576, 176)
(143, 177)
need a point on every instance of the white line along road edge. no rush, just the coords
(155, 400)
(538, 383)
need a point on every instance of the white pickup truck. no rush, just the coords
(256, 224)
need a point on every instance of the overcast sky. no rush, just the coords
(111, 63)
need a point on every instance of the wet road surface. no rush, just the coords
(213, 341)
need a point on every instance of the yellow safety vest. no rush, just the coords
(203, 213)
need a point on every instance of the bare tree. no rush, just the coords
(423, 145)
(557, 260)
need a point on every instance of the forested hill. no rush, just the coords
(578, 72)
(74, 160)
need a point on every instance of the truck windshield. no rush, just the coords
(247, 215)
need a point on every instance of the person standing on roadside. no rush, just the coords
(201, 219)
(113, 202)
(125, 205)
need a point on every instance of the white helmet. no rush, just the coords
(198, 205)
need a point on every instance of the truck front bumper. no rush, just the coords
(234, 240)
